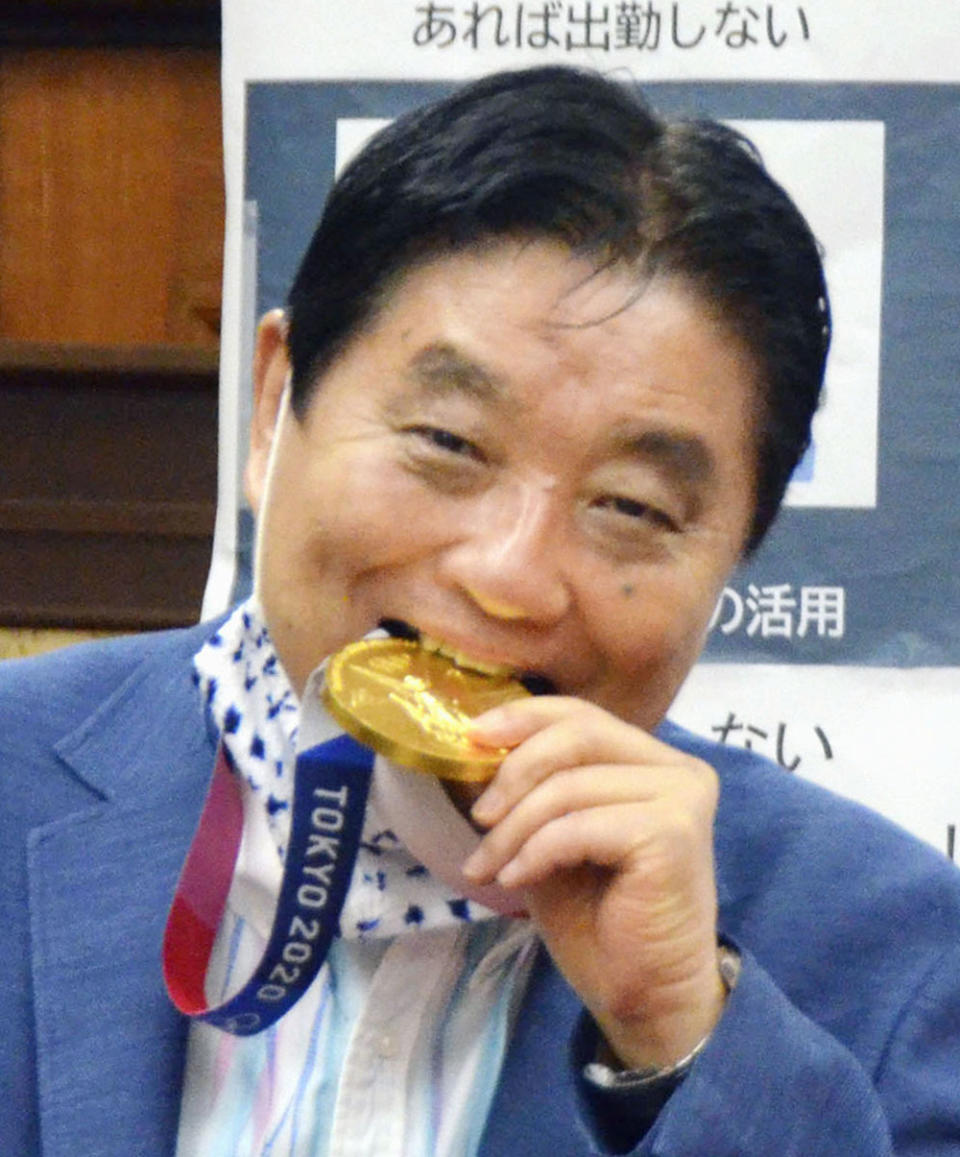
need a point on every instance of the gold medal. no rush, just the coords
(414, 706)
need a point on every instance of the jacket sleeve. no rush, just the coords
(773, 1083)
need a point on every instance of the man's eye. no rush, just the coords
(445, 440)
(640, 511)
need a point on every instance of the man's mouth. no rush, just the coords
(534, 681)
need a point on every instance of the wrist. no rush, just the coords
(647, 1046)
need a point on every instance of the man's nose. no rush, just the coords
(509, 557)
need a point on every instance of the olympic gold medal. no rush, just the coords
(414, 706)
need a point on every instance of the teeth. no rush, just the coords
(462, 660)
(535, 683)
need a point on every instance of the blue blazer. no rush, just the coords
(842, 1037)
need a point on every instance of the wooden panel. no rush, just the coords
(139, 437)
(111, 236)
(108, 497)
(64, 357)
(101, 580)
(110, 22)
(111, 195)
(18, 642)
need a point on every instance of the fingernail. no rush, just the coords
(489, 720)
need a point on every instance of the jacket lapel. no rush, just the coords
(535, 1107)
(110, 1046)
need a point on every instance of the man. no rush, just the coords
(541, 381)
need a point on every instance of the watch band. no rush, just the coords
(655, 1079)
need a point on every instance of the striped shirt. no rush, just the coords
(396, 1048)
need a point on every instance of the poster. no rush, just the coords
(836, 649)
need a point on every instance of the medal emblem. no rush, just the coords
(415, 707)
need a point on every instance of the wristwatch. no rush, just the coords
(660, 1082)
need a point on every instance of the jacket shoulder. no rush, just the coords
(57, 689)
(804, 861)
(774, 813)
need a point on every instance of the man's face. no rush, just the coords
(534, 464)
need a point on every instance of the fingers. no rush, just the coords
(515, 721)
(610, 816)
(525, 852)
(584, 787)
(591, 836)
(552, 734)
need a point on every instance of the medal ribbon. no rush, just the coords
(330, 795)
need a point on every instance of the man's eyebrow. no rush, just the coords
(683, 457)
(441, 368)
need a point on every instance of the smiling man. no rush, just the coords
(540, 383)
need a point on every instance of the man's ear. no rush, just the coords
(271, 371)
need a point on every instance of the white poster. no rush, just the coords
(836, 650)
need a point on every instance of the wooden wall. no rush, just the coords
(111, 235)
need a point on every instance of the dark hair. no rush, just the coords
(564, 154)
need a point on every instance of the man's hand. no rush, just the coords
(610, 834)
